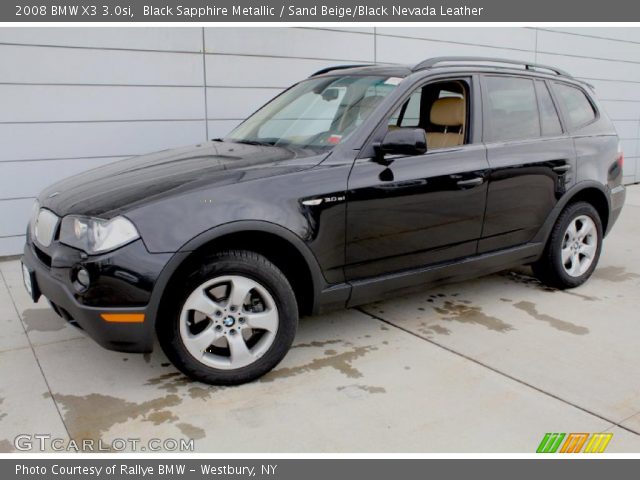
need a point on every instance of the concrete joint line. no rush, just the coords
(504, 374)
(33, 351)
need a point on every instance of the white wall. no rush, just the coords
(76, 98)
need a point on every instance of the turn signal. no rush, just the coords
(123, 317)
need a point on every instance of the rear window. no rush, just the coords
(512, 109)
(577, 106)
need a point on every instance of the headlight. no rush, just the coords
(95, 235)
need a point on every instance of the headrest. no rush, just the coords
(448, 112)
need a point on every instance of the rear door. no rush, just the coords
(532, 159)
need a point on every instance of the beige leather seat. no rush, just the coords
(448, 112)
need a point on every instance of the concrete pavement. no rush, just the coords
(488, 365)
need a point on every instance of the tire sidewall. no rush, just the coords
(235, 263)
(567, 217)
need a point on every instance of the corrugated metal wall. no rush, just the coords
(76, 98)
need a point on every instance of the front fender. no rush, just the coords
(320, 287)
(258, 226)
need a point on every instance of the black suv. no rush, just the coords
(357, 183)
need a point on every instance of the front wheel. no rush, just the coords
(233, 321)
(573, 250)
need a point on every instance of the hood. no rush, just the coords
(121, 186)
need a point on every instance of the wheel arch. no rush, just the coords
(278, 244)
(598, 199)
(591, 192)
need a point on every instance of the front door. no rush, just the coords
(405, 212)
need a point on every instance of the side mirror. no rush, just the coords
(403, 141)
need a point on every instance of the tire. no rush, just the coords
(240, 298)
(569, 259)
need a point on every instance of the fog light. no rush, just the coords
(82, 281)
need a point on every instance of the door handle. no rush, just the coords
(562, 168)
(472, 182)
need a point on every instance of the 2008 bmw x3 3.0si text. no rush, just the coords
(354, 184)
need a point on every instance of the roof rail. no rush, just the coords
(432, 62)
(340, 67)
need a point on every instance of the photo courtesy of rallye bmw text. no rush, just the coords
(326, 240)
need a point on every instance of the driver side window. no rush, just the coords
(409, 114)
(438, 108)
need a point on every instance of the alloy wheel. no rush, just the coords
(229, 322)
(579, 246)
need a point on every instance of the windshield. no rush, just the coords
(318, 113)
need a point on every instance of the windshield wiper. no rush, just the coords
(255, 142)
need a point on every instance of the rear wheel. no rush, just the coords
(233, 321)
(573, 250)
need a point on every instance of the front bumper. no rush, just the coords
(117, 287)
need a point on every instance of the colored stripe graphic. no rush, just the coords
(550, 443)
(574, 443)
(598, 442)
